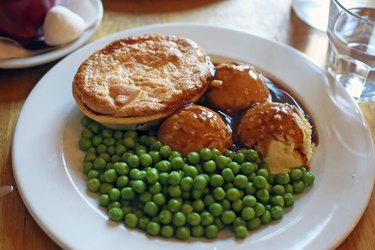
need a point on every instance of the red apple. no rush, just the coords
(23, 19)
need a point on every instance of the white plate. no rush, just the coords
(60, 52)
(47, 161)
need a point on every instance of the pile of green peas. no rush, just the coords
(147, 185)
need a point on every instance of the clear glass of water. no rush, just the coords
(351, 52)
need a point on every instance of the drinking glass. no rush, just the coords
(312, 12)
(351, 51)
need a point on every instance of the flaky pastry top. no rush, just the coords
(143, 76)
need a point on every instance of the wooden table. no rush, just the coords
(272, 19)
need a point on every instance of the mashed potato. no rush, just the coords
(280, 133)
(193, 128)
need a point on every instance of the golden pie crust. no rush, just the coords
(136, 80)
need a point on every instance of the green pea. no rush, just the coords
(260, 182)
(190, 170)
(121, 168)
(143, 222)
(215, 209)
(206, 218)
(104, 200)
(248, 168)
(155, 156)
(186, 183)
(138, 186)
(227, 174)
(205, 154)
(182, 233)
(239, 158)
(120, 149)
(174, 205)
(263, 172)
(155, 188)
(177, 163)
(211, 231)
(129, 142)
(97, 140)
(163, 178)
(208, 200)
(219, 194)
(228, 217)
(174, 191)
(87, 167)
(289, 188)
(145, 160)
(165, 217)
(277, 212)
(308, 178)
(289, 200)
(85, 121)
(145, 197)
(99, 163)
(197, 231)
(163, 166)
(127, 193)
(199, 181)
(193, 158)
(110, 175)
(93, 184)
(131, 220)
(198, 205)
(266, 217)
(263, 195)
(254, 223)
(240, 181)
(115, 214)
(150, 208)
(85, 144)
(249, 201)
(152, 175)
(193, 219)
(153, 228)
(295, 174)
(209, 166)
(133, 161)
(277, 200)
(278, 189)
(174, 178)
(187, 208)
(247, 213)
(94, 127)
(251, 155)
(165, 151)
(226, 204)
(156, 145)
(114, 194)
(166, 231)
(259, 209)
(179, 219)
(298, 186)
(105, 188)
(282, 179)
(114, 204)
(233, 194)
(250, 189)
(240, 232)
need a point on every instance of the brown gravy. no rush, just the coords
(278, 93)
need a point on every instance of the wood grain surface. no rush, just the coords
(272, 19)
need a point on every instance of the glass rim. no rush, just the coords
(346, 10)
